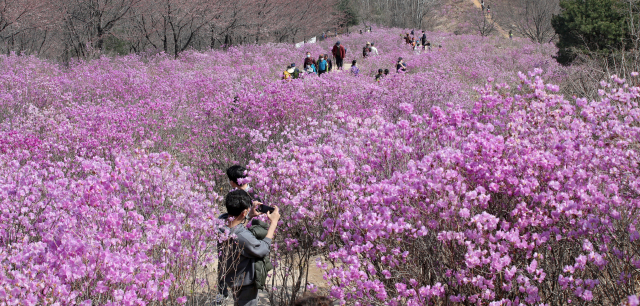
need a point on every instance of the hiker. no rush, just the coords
(322, 65)
(386, 72)
(482, 5)
(407, 39)
(413, 43)
(374, 50)
(380, 75)
(366, 50)
(286, 75)
(310, 69)
(339, 52)
(291, 73)
(239, 255)
(511, 34)
(400, 65)
(360, 32)
(429, 45)
(309, 65)
(489, 9)
(329, 62)
(423, 40)
(412, 32)
(354, 68)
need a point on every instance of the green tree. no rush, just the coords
(589, 25)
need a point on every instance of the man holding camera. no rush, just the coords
(239, 254)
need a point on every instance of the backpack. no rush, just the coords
(286, 75)
(323, 65)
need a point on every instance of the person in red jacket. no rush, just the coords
(339, 52)
(308, 61)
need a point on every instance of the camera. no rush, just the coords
(265, 209)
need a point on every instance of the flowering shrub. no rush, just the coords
(527, 198)
(425, 187)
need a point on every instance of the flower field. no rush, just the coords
(468, 180)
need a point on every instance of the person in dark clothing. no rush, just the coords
(412, 33)
(339, 52)
(329, 62)
(240, 253)
(366, 50)
(292, 72)
(380, 75)
(407, 39)
(386, 72)
(423, 40)
(400, 65)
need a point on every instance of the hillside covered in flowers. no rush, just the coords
(469, 178)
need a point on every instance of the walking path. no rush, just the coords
(500, 30)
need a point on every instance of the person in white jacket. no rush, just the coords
(374, 50)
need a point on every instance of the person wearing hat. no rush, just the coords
(339, 52)
(400, 65)
(366, 50)
(293, 71)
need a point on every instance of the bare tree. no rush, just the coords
(482, 22)
(532, 19)
(174, 25)
(25, 24)
(399, 13)
(88, 22)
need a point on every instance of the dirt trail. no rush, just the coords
(500, 30)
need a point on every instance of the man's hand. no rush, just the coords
(253, 212)
(274, 216)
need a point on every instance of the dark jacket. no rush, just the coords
(366, 51)
(259, 229)
(339, 51)
(239, 255)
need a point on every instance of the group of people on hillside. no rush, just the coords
(323, 64)
(244, 257)
(418, 42)
(488, 7)
(369, 50)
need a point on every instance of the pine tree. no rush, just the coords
(589, 25)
